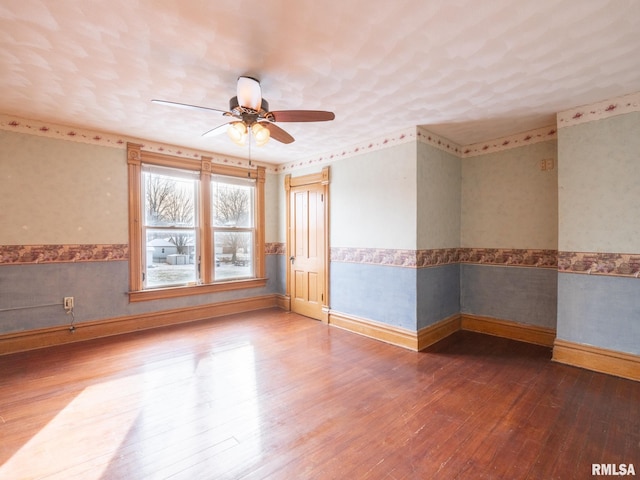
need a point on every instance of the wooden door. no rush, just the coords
(307, 249)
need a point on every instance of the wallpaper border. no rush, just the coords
(599, 111)
(599, 263)
(79, 135)
(575, 116)
(586, 263)
(30, 254)
(378, 143)
(511, 257)
(417, 133)
(73, 253)
(530, 137)
(275, 248)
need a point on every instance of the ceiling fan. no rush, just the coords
(251, 115)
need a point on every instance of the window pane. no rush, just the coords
(170, 258)
(169, 199)
(233, 255)
(232, 204)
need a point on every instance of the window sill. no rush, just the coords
(174, 292)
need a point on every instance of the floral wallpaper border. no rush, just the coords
(420, 134)
(423, 135)
(608, 264)
(29, 254)
(79, 135)
(575, 116)
(445, 256)
(611, 264)
(513, 257)
(599, 111)
(275, 248)
(512, 141)
(384, 141)
(587, 263)
(378, 256)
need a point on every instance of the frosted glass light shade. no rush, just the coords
(261, 134)
(237, 132)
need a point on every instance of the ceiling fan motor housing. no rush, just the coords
(249, 115)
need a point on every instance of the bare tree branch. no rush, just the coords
(167, 204)
(232, 209)
(231, 206)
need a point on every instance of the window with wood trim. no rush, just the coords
(170, 243)
(233, 227)
(194, 227)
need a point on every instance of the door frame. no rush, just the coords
(320, 178)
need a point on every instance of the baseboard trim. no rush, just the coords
(507, 329)
(598, 359)
(398, 336)
(427, 336)
(47, 337)
(283, 302)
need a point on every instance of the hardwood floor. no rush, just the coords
(275, 395)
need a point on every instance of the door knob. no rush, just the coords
(292, 259)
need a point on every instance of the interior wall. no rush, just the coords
(373, 199)
(599, 237)
(373, 235)
(420, 271)
(439, 183)
(60, 192)
(439, 187)
(509, 233)
(65, 233)
(274, 197)
(508, 201)
(398, 249)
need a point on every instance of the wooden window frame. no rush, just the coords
(135, 158)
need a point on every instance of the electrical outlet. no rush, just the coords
(68, 303)
(547, 164)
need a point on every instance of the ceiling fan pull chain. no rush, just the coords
(249, 135)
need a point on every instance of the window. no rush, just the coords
(169, 227)
(232, 220)
(195, 227)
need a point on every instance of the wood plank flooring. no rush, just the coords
(275, 395)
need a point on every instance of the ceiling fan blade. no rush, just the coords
(302, 116)
(249, 93)
(187, 106)
(216, 131)
(277, 133)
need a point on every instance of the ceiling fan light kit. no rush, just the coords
(237, 132)
(252, 116)
(260, 133)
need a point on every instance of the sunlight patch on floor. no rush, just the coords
(59, 450)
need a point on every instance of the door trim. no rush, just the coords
(320, 178)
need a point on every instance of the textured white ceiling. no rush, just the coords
(467, 70)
